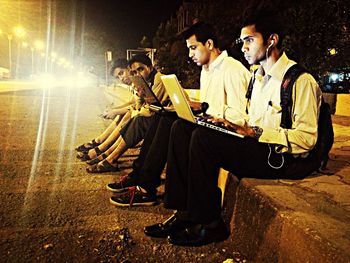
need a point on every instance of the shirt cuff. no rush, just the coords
(233, 116)
(274, 136)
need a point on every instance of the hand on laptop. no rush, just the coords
(246, 130)
(217, 121)
(195, 105)
(149, 100)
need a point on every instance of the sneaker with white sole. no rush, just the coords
(124, 183)
(134, 197)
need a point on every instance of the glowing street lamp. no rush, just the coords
(32, 50)
(332, 51)
(19, 32)
(39, 45)
(53, 58)
(9, 37)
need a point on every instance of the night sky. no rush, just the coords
(128, 20)
(116, 24)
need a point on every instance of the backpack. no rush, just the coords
(325, 132)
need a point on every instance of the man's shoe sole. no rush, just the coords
(122, 190)
(151, 203)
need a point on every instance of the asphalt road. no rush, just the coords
(51, 209)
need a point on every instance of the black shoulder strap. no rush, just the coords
(288, 81)
(248, 95)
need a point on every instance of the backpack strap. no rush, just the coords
(248, 95)
(288, 81)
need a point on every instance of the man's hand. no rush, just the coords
(109, 114)
(149, 100)
(245, 130)
(195, 105)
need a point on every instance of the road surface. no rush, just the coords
(51, 209)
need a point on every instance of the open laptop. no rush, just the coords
(140, 82)
(182, 107)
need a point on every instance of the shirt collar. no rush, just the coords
(218, 60)
(278, 70)
(151, 76)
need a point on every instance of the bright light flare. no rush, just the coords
(334, 77)
(46, 80)
(332, 51)
(80, 80)
(39, 45)
(19, 31)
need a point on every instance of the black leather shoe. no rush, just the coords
(199, 235)
(171, 225)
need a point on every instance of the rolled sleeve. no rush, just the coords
(236, 83)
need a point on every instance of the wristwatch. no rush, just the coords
(257, 132)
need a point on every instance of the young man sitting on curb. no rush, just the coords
(268, 151)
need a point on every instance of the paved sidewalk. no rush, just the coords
(297, 221)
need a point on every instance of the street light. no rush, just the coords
(53, 58)
(39, 46)
(9, 37)
(32, 50)
(19, 32)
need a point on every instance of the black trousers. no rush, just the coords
(147, 141)
(135, 129)
(195, 156)
(151, 161)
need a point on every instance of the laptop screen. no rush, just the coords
(178, 97)
(141, 83)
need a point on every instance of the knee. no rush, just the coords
(199, 136)
(177, 126)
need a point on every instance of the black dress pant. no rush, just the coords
(195, 156)
(151, 161)
(148, 139)
(135, 129)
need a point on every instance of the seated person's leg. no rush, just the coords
(119, 120)
(175, 184)
(104, 155)
(114, 124)
(131, 134)
(210, 150)
(114, 146)
(132, 178)
(115, 134)
(157, 156)
(147, 142)
(148, 177)
(177, 163)
(95, 152)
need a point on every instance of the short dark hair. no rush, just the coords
(266, 21)
(141, 58)
(202, 31)
(118, 63)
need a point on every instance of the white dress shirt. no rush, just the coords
(265, 109)
(223, 86)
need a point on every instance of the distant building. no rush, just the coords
(190, 12)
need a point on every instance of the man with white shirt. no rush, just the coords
(223, 85)
(267, 151)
